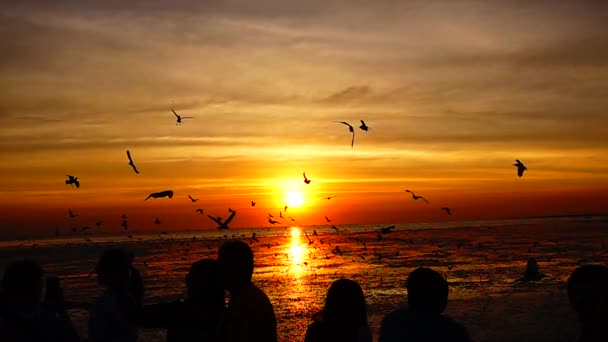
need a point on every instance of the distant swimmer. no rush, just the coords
(72, 181)
(306, 180)
(447, 210)
(364, 126)
(416, 197)
(199, 210)
(166, 193)
(351, 130)
(179, 118)
(520, 167)
(222, 224)
(71, 213)
(192, 199)
(254, 237)
(131, 163)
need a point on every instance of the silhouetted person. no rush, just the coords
(344, 317)
(22, 315)
(422, 319)
(588, 293)
(250, 315)
(113, 316)
(532, 273)
(197, 317)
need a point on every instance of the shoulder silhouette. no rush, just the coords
(588, 294)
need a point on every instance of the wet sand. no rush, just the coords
(482, 265)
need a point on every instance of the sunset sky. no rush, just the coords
(454, 91)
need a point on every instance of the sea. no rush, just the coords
(483, 262)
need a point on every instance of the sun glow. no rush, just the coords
(294, 199)
(296, 251)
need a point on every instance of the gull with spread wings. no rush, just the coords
(224, 224)
(166, 193)
(416, 197)
(179, 118)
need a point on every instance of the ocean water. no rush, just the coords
(481, 260)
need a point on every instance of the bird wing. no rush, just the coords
(304, 174)
(230, 218)
(187, 117)
(152, 195)
(345, 123)
(129, 156)
(520, 171)
(134, 168)
(174, 113)
(215, 219)
(77, 183)
(352, 142)
(190, 197)
(424, 199)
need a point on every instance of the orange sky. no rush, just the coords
(454, 94)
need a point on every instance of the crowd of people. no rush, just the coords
(223, 304)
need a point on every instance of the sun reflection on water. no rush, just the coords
(296, 252)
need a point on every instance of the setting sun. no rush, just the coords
(294, 199)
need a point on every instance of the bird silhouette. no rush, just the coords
(447, 210)
(386, 230)
(72, 181)
(179, 118)
(281, 214)
(192, 199)
(416, 197)
(351, 130)
(364, 126)
(291, 218)
(71, 213)
(254, 237)
(335, 228)
(157, 221)
(131, 162)
(271, 221)
(166, 193)
(285, 210)
(310, 241)
(230, 210)
(222, 224)
(328, 198)
(270, 215)
(199, 210)
(519, 165)
(252, 203)
(306, 180)
(327, 219)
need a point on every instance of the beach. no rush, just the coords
(482, 262)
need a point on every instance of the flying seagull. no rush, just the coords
(285, 210)
(270, 215)
(350, 129)
(328, 198)
(252, 203)
(199, 210)
(224, 224)
(192, 199)
(179, 118)
(415, 197)
(166, 193)
(520, 168)
(327, 219)
(281, 214)
(364, 126)
(271, 221)
(306, 180)
(131, 162)
(72, 181)
(447, 210)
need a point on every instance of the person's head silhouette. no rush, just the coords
(345, 304)
(427, 291)
(22, 282)
(236, 264)
(588, 293)
(113, 269)
(203, 281)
